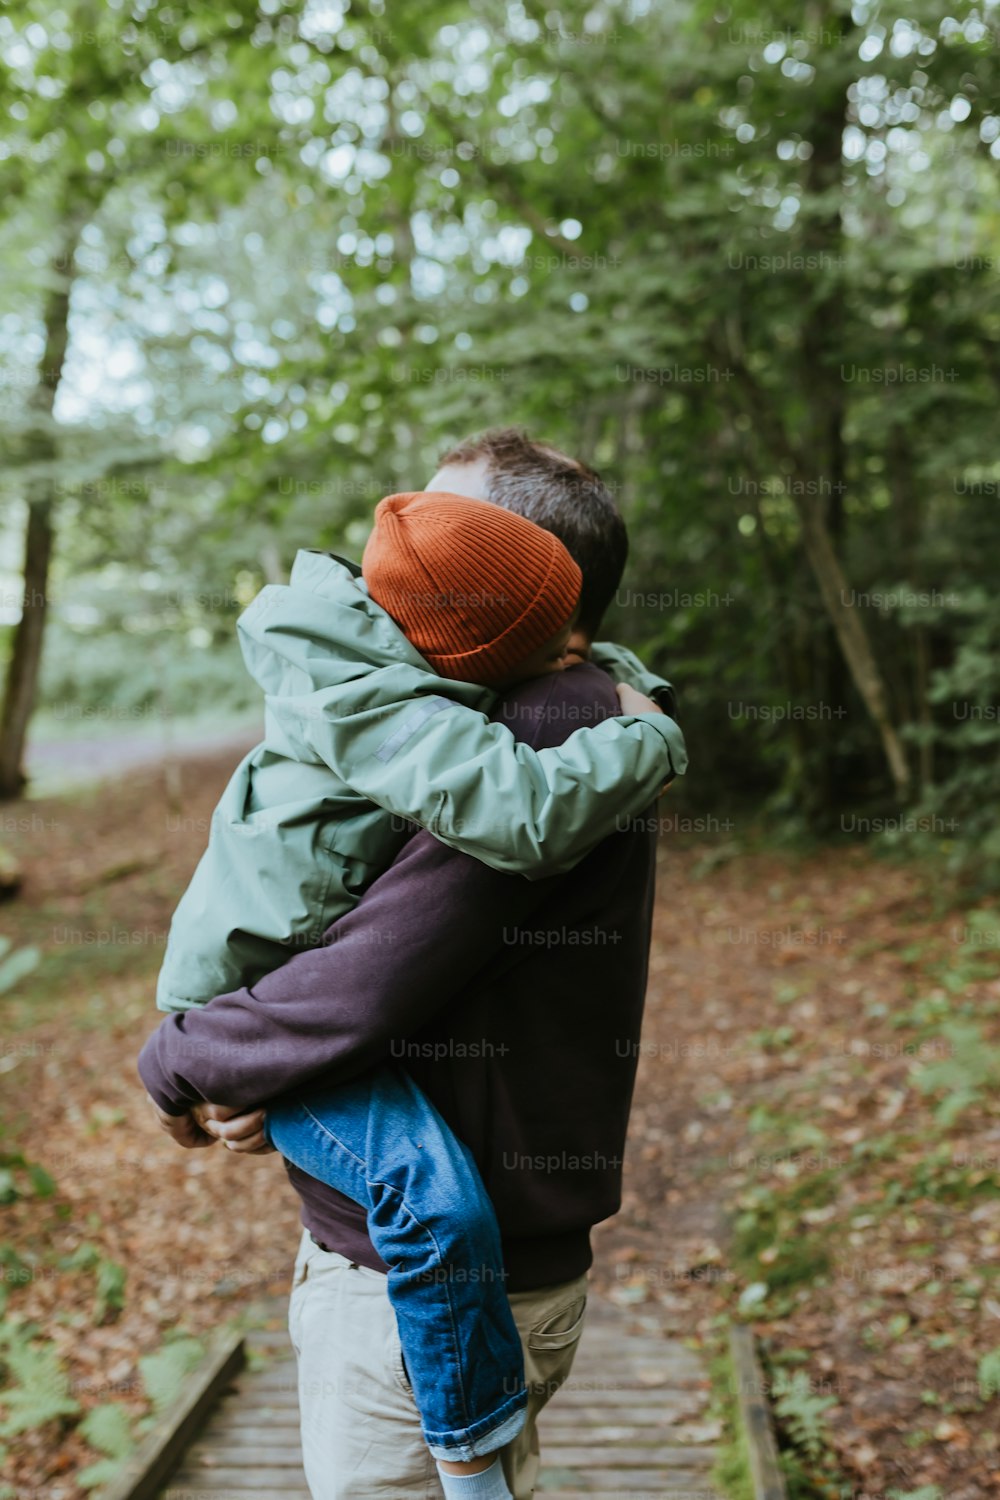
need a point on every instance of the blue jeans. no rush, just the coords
(381, 1142)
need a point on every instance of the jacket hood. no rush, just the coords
(320, 630)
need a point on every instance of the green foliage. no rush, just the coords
(306, 249)
(802, 1412)
(773, 1038)
(109, 1280)
(731, 1472)
(989, 1374)
(770, 1243)
(107, 1429)
(165, 1371)
(16, 1270)
(15, 963)
(937, 1177)
(973, 1065)
(39, 1389)
(966, 694)
(21, 1178)
(119, 682)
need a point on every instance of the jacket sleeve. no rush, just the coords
(420, 933)
(624, 666)
(468, 781)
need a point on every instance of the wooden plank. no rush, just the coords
(216, 1441)
(206, 1492)
(614, 1357)
(277, 1377)
(256, 1418)
(204, 1482)
(204, 1489)
(592, 1432)
(691, 1483)
(642, 1422)
(201, 1485)
(640, 1419)
(676, 1487)
(620, 1340)
(673, 1490)
(637, 1372)
(647, 1377)
(640, 1394)
(264, 1453)
(251, 1449)
(664, 1456)
(280, 1397)
(144, 1474)
(768, 1480)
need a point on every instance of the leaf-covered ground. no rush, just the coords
(815, 1147)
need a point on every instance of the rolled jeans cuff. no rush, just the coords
(473, 1442)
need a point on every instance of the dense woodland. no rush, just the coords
(262, 262)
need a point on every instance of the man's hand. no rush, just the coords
(242, 1132)
(184, 1129)
(634, 702)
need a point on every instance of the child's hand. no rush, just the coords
(634, 702)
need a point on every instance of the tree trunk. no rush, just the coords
(26, 657)
(906, 507)
(825, 403)
(853, 640)
(823, 246)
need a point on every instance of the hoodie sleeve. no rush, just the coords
(625, 666)
(420, 933)
(468, 781)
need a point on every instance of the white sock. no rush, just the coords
(489, 1484)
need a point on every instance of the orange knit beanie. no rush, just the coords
(475, 588)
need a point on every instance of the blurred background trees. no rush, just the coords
(263, 263)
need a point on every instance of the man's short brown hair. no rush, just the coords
(566, 497)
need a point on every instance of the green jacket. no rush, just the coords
(361, 736)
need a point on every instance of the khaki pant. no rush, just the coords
(361, 1436)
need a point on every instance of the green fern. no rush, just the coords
(109, 1279)
(108, 1429)
(961, 1078)
(12, 1187)
(15, 963)
(165, 1371)
(989, 1374)
(40, 1391)
(110, 1294)
(802, 1413)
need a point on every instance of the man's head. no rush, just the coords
(556, 492)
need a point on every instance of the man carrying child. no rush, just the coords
(510, 1000)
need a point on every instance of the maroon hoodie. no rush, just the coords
(516, 1005)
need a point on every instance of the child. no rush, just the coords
(484, 597)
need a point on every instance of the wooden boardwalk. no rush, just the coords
(629, 1425)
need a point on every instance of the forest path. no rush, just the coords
(786, 1143)
(630, 1420)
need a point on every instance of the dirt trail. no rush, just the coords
(101, 757)
(781, 1150)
